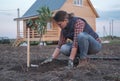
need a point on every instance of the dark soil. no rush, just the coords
(13, 65)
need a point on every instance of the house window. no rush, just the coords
(49, 25)
(78, 2)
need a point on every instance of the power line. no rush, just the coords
(8, 10)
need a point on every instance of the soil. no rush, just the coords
(13, 65)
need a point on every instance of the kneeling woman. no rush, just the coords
(84, 40)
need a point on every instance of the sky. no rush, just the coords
(110, 12)
(106, 5)
(8, 11)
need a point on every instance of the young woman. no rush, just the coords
(84, 40)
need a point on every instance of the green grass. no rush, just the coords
(114, 41)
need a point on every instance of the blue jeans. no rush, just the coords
(86, 45)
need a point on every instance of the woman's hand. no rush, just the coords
(50, 59)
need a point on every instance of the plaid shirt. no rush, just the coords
(78, 28)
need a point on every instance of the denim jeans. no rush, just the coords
(86, 45)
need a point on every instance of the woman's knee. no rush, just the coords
(95, 50)
(65, 49)
(82, 35)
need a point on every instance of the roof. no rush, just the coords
(52, 4)
(94, 10)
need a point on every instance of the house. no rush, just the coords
(81, 8)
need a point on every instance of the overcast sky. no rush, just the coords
(8, 11)
(106, 5)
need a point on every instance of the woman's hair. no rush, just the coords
(61, 16)
(71, 15)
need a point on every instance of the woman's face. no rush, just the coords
(62, 24)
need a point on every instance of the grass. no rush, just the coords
(113, 40)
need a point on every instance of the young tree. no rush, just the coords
(44, 16)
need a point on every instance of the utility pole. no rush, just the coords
(112, 27)
(18, 23)
(104, 31)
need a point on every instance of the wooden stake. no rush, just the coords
(28, 48)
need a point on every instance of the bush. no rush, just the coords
(34, 43)
(4, 40)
